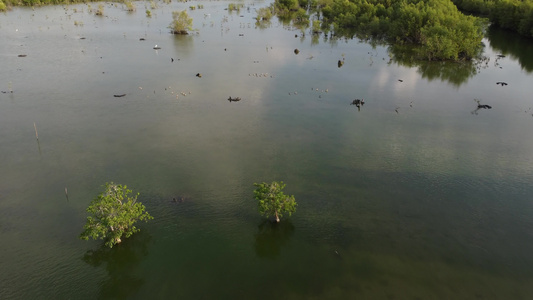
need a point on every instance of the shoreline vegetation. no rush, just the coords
(437, 29)
(513, 15)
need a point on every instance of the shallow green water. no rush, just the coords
(417, 195)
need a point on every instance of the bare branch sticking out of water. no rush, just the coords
(36, 134)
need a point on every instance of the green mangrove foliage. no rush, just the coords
(100, 10)
(264, 14)
(129, 6)
(10, 3)
(515, 15)
(441, 31)
(112, 215)
(287, 11)
(436, 27)
(235, 7)
(181, 22)
(272, 201)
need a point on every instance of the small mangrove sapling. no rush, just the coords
(181, 22)
(272, 201)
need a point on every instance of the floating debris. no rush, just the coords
(22, 55)
(198, 75)
(156, 47)
(501, 83)
(119, 95)
(296, 51)
(179, 199)
(234, 99)
(358, 102)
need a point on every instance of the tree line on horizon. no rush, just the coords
(439, 29)
(514, 15)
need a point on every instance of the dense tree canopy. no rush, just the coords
(272, 201)
(515, 15)
(437, 26)
(112, 215)
(181, 22)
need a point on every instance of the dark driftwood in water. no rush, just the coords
(22, 55)
(234, 99)
(121, 95)
(501, 83)
(484, 106)
(358, 102)
(36, 134)
(179, 199)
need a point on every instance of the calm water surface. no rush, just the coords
(417, 195)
